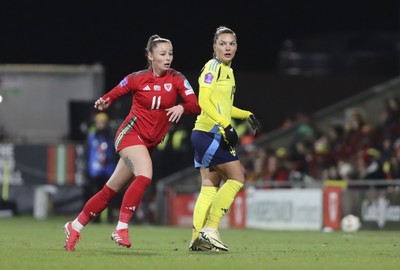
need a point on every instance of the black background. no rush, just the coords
(114, 33)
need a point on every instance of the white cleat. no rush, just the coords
(212, 237)
(200, 245)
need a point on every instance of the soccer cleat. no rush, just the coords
(200, 245)
(72, 237)
(212, 237)
(121, 237)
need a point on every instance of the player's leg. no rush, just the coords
(137, 159)
(210, 182)
(96, 204)
(232, 172)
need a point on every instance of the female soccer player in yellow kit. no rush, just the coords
(214, 140)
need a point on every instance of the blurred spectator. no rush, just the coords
(351, 149)
(370, 166)
(302, 159)
(256, 165)
(331, 172)
(346, 170)
(278, 166)
(101, 161)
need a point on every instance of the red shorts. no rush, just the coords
(127, 136)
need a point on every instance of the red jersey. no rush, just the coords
(151, 95)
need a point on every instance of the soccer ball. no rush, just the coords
(350, 223)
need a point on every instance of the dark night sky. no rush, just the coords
(114, 33)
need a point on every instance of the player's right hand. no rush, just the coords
(102, 104)
(230, 136)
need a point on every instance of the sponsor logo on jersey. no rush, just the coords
(208, 78)
(123, 82)
(146, 88)
(189, 92)
(157, 88)
(168, 86)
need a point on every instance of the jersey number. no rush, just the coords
(155, 103)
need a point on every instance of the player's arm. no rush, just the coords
(240, 114)
(209, 108)
(249, 116)
(228, 132)
(190, 103)
(121, 89)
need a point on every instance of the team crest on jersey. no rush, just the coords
(123, 82)
(168, 86)
(157, 88)
(208, 78)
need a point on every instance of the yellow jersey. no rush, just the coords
(216, 95)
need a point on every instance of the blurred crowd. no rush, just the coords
(352, 149)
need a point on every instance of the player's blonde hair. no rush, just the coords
(152, 43)
(222, 30)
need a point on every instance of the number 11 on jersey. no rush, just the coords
(155, 103)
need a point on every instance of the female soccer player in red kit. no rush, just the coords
(154, 96)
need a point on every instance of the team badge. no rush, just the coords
(168, 86)
(208, 78)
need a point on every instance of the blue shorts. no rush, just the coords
(209, 151)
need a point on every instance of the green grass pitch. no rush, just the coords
(26, 243)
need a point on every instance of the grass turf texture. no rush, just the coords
(26, 243)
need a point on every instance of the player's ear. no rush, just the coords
(150, 57)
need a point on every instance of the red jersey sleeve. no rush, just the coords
(185, 90)
(123, 88)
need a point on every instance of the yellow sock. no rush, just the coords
(202, 208)
(222, 202)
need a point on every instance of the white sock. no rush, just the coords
(122, 225)
(76, 225)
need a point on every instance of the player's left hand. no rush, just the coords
(254, 123)
(175, 113)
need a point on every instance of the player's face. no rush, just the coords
(161, 58)
(225, 48)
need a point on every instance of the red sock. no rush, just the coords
(132, 198)
(95, 205)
